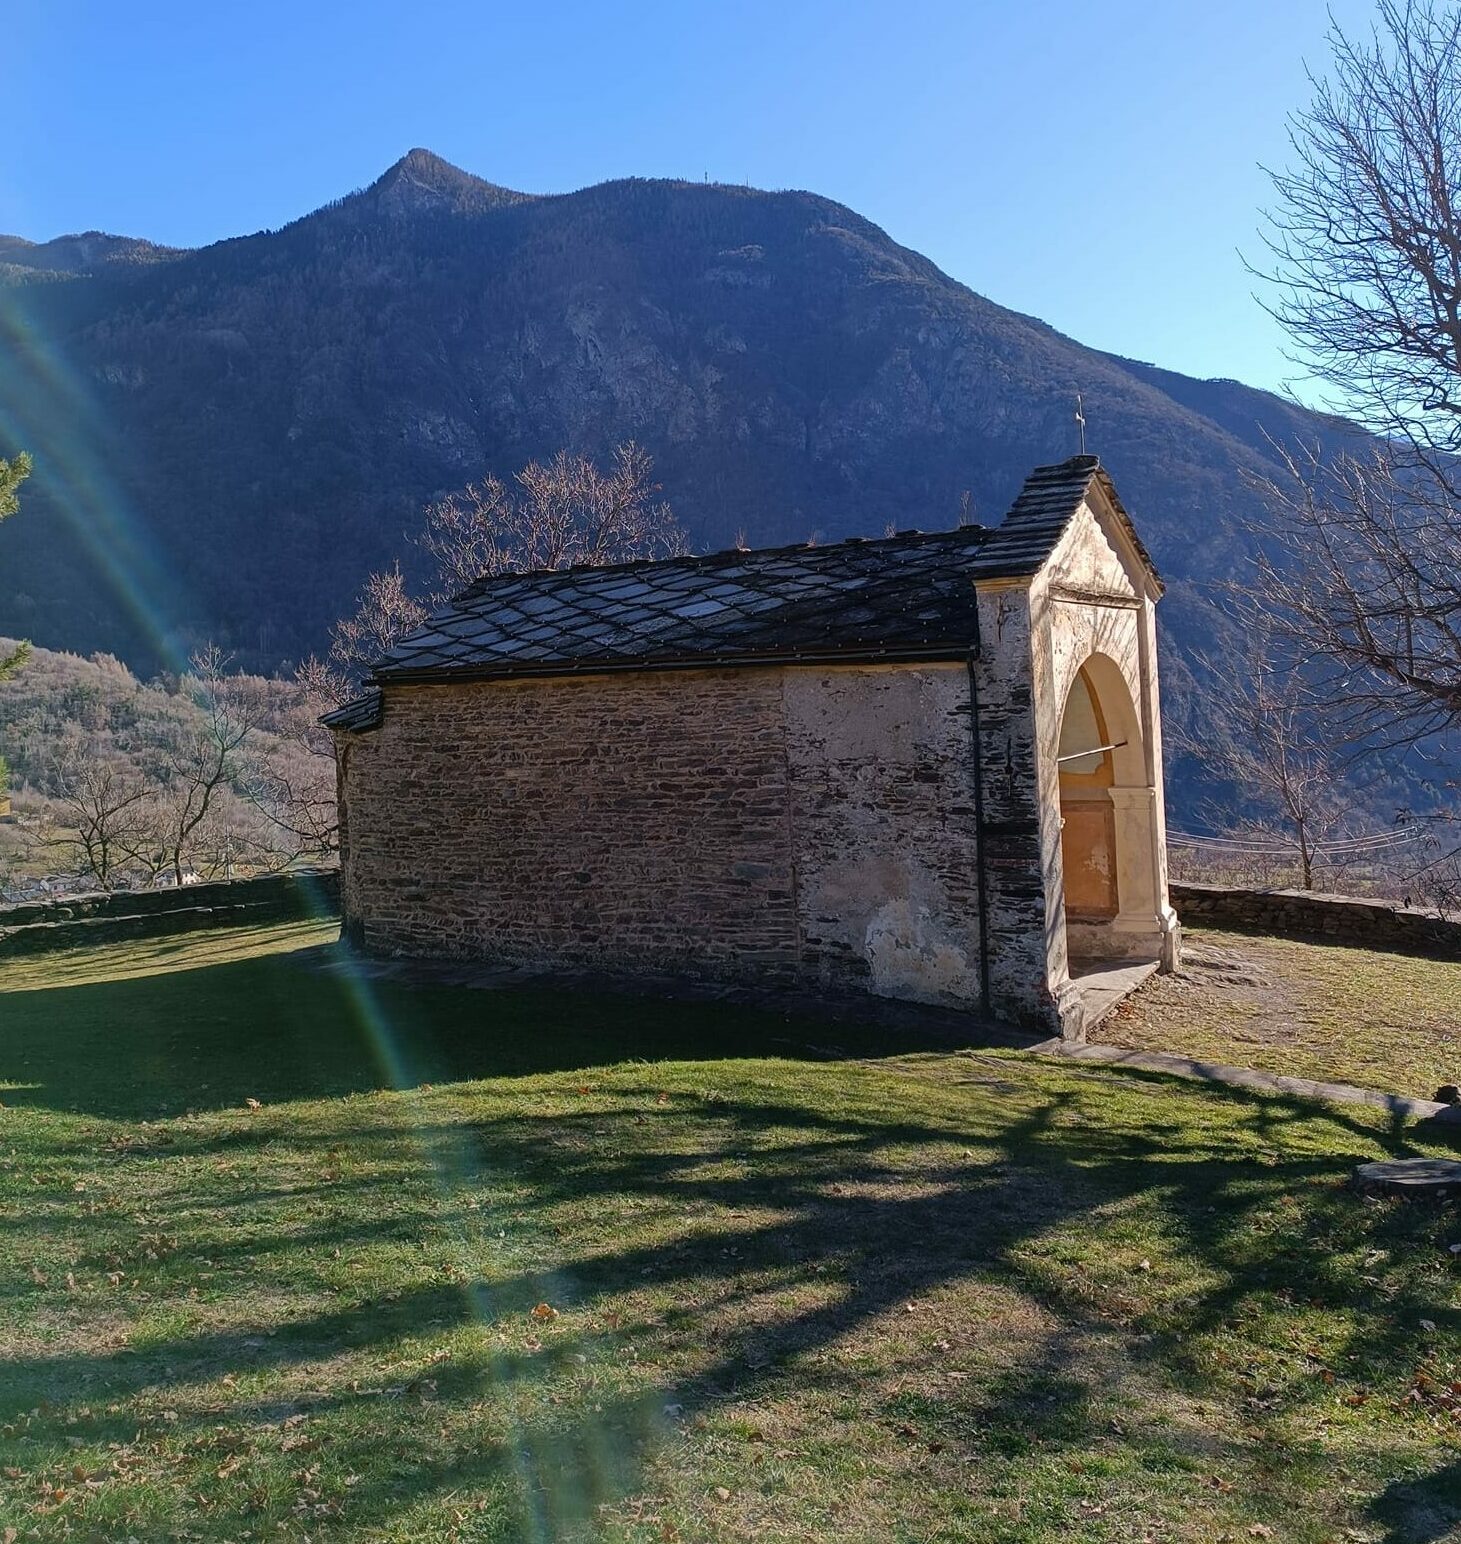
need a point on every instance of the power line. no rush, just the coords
(1357, 846)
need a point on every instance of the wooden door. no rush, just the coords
(1088, 855)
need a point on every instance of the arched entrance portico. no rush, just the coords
(1109, 839)
(1068, 729)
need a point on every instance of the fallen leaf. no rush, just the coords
(545, 1311)
(1261, 1531)
(721, 1493)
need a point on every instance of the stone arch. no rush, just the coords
(1110, 837)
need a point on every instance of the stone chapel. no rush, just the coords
(927, 767)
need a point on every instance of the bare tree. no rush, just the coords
(385, 614)
(292, 780)
(1361, 566)
(558, 514)
(102, 815)
(1266, 739)
(202, 764)
(561, 514)
(1366, 233)
(1361, 577)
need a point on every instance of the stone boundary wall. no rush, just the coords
(1341, 919)
(35, 926)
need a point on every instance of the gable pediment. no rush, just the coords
(1095, 558)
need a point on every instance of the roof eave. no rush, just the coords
(953, 650)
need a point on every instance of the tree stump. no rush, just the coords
(1434, 1177)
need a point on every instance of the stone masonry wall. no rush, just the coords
(777, 825)
(1343, 919)
(627, 822)
(1008, 752)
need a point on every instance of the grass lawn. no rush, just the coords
(1308, 1010)
(284, 1256)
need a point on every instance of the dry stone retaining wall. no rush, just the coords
(34, 926)
(1341, 919)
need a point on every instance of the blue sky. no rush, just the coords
(1092, 162)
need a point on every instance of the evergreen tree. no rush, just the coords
(12, 474)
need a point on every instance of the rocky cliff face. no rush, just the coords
(228, 440)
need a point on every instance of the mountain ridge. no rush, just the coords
(237, 435)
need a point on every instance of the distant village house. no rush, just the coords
(926, 768)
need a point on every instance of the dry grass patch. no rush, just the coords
(1342, 1015)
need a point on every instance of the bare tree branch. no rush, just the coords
(1360, 565)
(563, 514)
(1365, 236)
(560, 514)
(1358, 570)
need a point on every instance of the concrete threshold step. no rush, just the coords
(1101, 987)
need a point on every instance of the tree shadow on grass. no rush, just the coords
(787, 1232)
(911, 1191)
(1421, 1509)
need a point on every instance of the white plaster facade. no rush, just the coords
(1089, 609)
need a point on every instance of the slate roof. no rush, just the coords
(909, 596)
(1051, 495)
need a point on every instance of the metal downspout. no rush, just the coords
(981, 881)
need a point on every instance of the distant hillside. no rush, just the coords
(79, 254)
(228, 440)
(62, 716)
